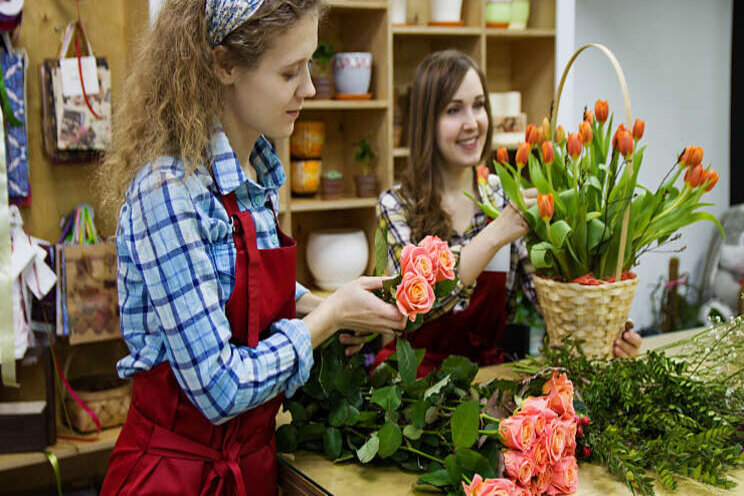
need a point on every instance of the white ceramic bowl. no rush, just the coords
(336, 256)
(352, 72)
(445, 10)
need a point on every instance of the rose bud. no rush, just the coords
(601, 110)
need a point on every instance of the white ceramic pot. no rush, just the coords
(399, 12)
(352, 72)
(336, 256)
(445, 10)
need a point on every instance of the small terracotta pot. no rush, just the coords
(305, 176)
(331, 188)
(366, 185)
(323, 87)
(307, 140)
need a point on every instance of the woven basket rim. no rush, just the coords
(585, 287)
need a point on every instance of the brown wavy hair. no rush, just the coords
(172, 97)
(437, 79)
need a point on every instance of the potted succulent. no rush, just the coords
(321, 70)
(593, 219)
(331, 184)
(366, 181)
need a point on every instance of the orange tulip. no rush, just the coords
(588, 116)
(692, 156)
(587, 135)
(545, 206)
(695, 176)
(601, 110)
(560, 135)
(523, 154)
(540, 135)
(546, 128)
(482, 172)
(548, 153)
(625, 144)
(502, 156)
(530, 135)
(619, 130)
(638, 128)
(711, 177)
(574, 145)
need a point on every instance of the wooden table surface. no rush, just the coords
(351, 479)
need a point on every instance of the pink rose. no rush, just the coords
(539, 454)
(538, 410)
(518, 432)
(541, 484)
(416, 259)
(560, 393)
(557, 382)
(555, 440)
(518, 466)
(444, 260)
(414, 295)
(521, 491)
(569, 425)
(489, 487)
(564, 478)
(534, 404)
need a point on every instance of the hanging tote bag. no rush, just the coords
(14, 63)
(76, 100)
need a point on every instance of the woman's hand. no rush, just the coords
(353, 341)
(629, 344)
(511, 224)
(358, 309)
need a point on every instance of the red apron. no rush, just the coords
(473, 333)
(167, 447)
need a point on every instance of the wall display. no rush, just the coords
(14, 63)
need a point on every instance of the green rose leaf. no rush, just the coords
(412, 432)
(445, 287)
(406, 362)
(388, 398)
(438, 478)
(470, 461)
(460, 369)
(416, 413)
(382, 375)
(368, 451)
(390, 439)
(286, 438)
(332, 443)
(464, 422)
(412, 326)
(298, 412)
(339, 414)
(437, 388)
(311, 432)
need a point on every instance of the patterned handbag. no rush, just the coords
(14, 63)
(76, 101)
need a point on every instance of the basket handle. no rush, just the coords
(626, 99)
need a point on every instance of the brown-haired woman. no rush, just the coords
(449, 133)
(207, 287)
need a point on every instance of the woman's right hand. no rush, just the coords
(354, 307)
(511, 224)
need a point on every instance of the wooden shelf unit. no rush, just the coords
(521, 60)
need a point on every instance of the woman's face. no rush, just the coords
(462, 127)
(267, 98)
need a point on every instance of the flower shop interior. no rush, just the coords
(458, 430)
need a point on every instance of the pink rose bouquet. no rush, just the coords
(541, 442)
(427, 272)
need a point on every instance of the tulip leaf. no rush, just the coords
(486, 207)
(332, 443)
(511, 188)
(381, 249)
(559, 231)
(464, 422)
(390, 439)
(537, 176)
(406, 362)
(593, 215)
(541, 255)
(368, 451)
(597, 232)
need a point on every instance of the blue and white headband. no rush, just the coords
(224, 17)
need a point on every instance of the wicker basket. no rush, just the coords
(594, 314)
(107, 396)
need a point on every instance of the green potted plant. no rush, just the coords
(331, 184)
(366, 181)
(321, 70)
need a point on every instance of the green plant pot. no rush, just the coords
(498, 13)
(520, 14)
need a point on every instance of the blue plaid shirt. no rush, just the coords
(176, 272)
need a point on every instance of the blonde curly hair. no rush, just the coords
(172, 98)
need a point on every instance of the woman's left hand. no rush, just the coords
(629, 344)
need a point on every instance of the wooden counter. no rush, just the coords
(355, 480)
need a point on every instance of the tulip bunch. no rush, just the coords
(541, 443)
(586, 180)
(427, 272)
